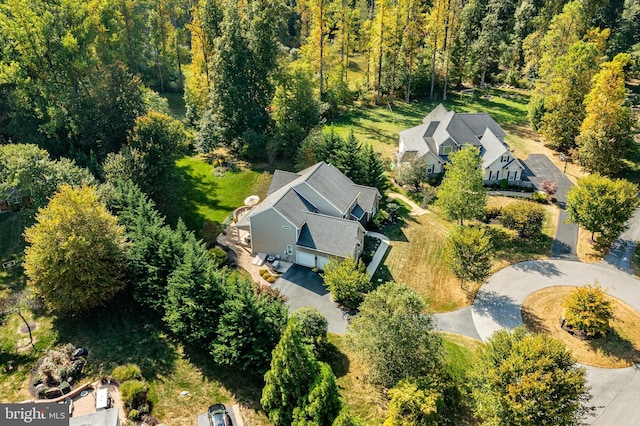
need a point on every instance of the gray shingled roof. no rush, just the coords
(479, 121)
(330, 235)
(367, 197)
(280, 179)
(492, 148)
(294, 207)
(333, 185)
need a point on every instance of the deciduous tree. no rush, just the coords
(469, 254)
(462, 194)
(394, 335)
(588, 310)
(75, 258)
(348, 281)
(601, 205)
(606, 134)
(527, 379)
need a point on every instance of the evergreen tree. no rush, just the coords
(249, 328)
(323, 402)
(373, 170)
(293, 371)
(194, 299)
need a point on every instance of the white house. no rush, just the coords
(443, 132)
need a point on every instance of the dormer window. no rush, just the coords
(504, 158)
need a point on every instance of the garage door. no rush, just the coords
(322, 262)
(305, 259)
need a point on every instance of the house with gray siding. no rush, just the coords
(311, 216)
(443, 132)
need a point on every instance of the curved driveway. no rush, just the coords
(616, 393)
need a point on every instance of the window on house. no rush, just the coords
(430, 168)
(504, 158)
(447, 150)
(289, 249)
(288, 228)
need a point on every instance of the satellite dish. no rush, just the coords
(251, 200)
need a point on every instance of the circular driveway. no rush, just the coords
(616, 392)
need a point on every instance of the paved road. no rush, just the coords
(541, 168)
(621, 252)
(304, 287)
(616, 393)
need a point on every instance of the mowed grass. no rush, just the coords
(198, 195)
(380, 125)
(418, 252)
(461, 352)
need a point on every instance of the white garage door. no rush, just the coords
(305, 259)
(322, 262)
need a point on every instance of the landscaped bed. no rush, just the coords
(542, 311)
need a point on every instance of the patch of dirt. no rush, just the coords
(23, 328)
(541, 313)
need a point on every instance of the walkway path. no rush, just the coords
(416, 210)
(380, 252)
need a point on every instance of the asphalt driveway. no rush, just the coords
(540, 168)
(304, 287)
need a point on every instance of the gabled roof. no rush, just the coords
(280, 179)
(492, 148)
(441, 126)
(330, 235)
(333, 235)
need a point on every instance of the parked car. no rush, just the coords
(218, 415)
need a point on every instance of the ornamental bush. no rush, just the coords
(122, 373)
(588, 310)
(523, 216)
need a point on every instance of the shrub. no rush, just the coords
(588, 310)
(539, 197)
(504, 184)
(392, 210)
(36, 381)
(75, 370)
(42, 393)
(523, 216)
(549, 186)
(492, 213)
(65, 387)
(270, 279)
(348, 281)
(210, 231)
(134, 393)
(134, 415)
(122, 373)
(219, 256)
(428, 194)
(262, 272)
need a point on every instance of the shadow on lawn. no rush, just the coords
(246, 387)
(117, 334)
(186, 190)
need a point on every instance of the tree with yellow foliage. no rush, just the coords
(75, 256)
(606, 134)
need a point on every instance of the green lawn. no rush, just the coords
(380, 125)
(196, 194)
